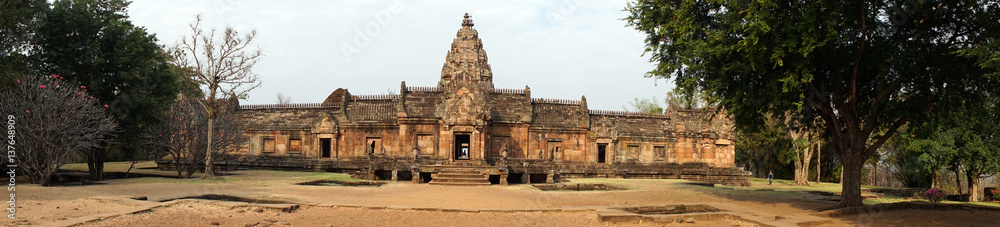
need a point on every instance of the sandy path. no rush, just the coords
(40, 205)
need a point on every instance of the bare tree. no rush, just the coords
(184, 135)
(222, 68)
(282, 99)
(53, 122)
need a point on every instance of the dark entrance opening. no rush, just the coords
(425, 177)
(462, 148)
(404, 176)
(383, 174)
(494, 179)
(602, 152)
(537, 178)
(515, 178)
(325, 144)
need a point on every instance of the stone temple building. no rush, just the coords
(466, 131)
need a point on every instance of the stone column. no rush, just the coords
(503, 179)
(395, 175)
(526, 178)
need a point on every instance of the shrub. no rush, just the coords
(935, 195)
(995, 194)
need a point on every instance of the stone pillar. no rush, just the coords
(416, 177)
(526, 178)
(549, 178)
(395, 175)
(503, 179)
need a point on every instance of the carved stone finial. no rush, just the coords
(467, 22)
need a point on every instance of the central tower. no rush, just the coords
(466, 82)
(466, 61)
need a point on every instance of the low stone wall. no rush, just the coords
(364, 168)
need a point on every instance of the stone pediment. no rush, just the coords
(463, 104)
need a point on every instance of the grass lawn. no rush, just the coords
(781, 185)
(248, 177)
(109, 166)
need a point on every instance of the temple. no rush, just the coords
(464, 131)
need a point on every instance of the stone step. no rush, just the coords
(461, 183)
(472, 180)
(460, 175)
(459, 170)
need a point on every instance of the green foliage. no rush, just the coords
(864, 67)
(683, 98)
(643, 106)
(92, 43)
(765, 149)
(17, 22)
(962, 136)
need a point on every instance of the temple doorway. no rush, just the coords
(602, 152)
(325, 145)
(462, 148)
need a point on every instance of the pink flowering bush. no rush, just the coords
(935, 195)
(57, 122)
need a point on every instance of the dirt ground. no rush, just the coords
(49, 205)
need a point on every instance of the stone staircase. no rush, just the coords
(460, 176)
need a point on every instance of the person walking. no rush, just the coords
(770, 177)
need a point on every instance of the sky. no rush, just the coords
(561, 49)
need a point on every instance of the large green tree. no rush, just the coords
(18, 21)
(972, 135)
(93, 43)
(864, 67)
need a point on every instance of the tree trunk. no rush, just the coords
(958, 180)
(806, 158)
(819, 157)
(802, 157)
(95, 162)
(874, 174)
(44, 180)
(102, 154)
(209, 169)
(973, 180)
(936, 182)
(177, 165)
(798, 170)
(841, 174)
(91, 168)
(851, 181)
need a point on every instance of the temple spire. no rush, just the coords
(466, 62)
